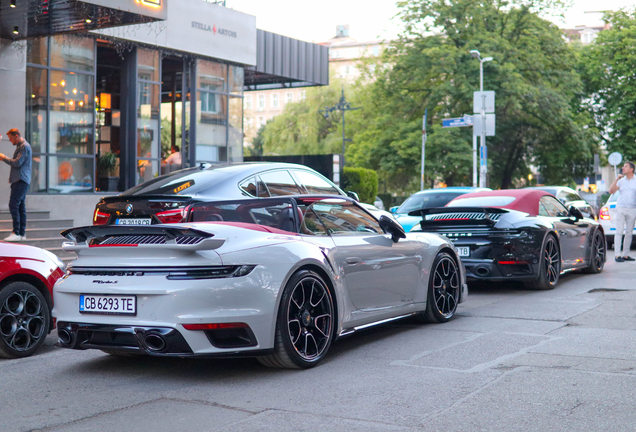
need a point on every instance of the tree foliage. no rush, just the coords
(609, 71)
(538, 94)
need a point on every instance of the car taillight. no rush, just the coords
(100, 218)
(605, 213)
(172, 216)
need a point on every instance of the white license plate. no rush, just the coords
(463, 251)
(133, 222)
(108, 304)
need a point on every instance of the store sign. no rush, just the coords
(197, 27)
(213, 29)
(156, 9)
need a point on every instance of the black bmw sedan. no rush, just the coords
(165, 199)
(522, 234)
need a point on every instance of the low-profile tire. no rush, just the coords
(24, 320)
(597, 254)
(304, 323)
(444, 289)
(550, 265)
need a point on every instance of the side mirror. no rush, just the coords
(390, 226)
(393, 209)
(352, 194)
(575, 212)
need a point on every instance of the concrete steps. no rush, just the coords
(41, 231)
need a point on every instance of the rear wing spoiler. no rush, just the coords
(459, 216)
(141, 236)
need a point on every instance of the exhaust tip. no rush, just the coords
(482, 271)
(154, 342)
(65, 336)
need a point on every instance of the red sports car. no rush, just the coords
(27, 276)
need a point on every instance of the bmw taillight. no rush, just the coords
(100, 218)
(173, 215)
(605, 213)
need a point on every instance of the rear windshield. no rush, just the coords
(184, 182)
(485, 201)
(427, 200)
(614, 197)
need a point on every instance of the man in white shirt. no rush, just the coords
(175, 156)
(625, 211)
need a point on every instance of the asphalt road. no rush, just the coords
(512, 360)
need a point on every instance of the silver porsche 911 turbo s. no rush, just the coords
(278, 279)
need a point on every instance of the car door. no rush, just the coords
(572, 232)
(378, 272)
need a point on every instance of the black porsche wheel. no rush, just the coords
(24, 320)
(443, 291)
(597, 254)
(550, 268)
(304, 326)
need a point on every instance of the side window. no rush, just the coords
(311, 224)
(280, 183)
(542, 210)
(315, 184)
(249, 186)
(554, 207)
(346, 219)
(574, 197)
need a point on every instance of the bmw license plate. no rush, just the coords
(133, 222)
(463, 251)
(108, 304)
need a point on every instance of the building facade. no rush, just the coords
(105, 90)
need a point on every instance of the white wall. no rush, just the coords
(12, 97)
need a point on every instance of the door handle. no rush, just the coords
(352, 260)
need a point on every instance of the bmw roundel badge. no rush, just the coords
(129, 208)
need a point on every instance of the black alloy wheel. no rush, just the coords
(24, 320)
(597, 254)
(444, 290)
(550, 265)
(304, 326)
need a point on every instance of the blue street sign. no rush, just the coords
(458, 122)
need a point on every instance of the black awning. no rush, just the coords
(36, 18)
(283, 62)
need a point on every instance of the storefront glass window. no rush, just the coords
(70, 174)
(236, 80)
(147, 65)
(37, 51)
(235, 133)
(36, 81)
(71, 126)
(148, 115)
(211, 76)
(73, 52)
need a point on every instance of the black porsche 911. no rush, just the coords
(526, 235)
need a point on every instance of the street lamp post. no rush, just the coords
(483, 155)
(343, 106)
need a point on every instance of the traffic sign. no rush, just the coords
(458, 121)
(486, 98)
(490, 125)
(615, 158)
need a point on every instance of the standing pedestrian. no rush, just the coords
(625, 211)
(20, 179)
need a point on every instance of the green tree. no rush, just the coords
(539, 93)
(608, 67)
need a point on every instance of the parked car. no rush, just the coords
(607, 216)
(165, 199)
(27, 276)
(278, 278)
(429, 198)
(522, 234)
(569, 197)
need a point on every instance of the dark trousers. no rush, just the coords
(17, 206)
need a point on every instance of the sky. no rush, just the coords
(316, 20)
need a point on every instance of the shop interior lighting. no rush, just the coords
(74, 91)
(88, 20)
(13, 3)
(16, 30)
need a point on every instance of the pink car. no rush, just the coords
(27, 276)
